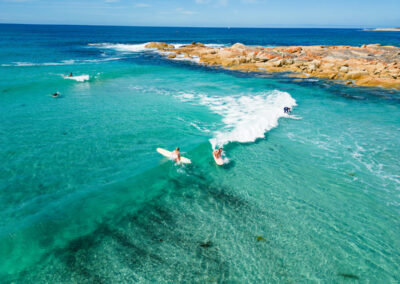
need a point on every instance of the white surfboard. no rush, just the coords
(169, 155)
(218, 161)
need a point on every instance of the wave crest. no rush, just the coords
(81, 78)
(246, 118)
(121, 47)
(140, 47)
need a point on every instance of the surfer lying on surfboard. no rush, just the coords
(176, 155)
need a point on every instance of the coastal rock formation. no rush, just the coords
(159, 45)
(368, 65)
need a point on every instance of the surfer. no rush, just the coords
(70, 74)
(176, 155)
(287, 110)
(217, 153)
(55, 95)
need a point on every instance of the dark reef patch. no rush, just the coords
(206, 245)
(349, 276)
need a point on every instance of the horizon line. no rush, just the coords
(209, 27)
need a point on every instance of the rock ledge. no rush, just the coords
(368, 65)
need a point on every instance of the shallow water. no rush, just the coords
(84, 196)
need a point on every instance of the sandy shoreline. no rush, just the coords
(368, 65)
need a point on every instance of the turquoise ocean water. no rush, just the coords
(85, 198)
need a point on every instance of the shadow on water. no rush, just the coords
(79, 250)
(140, 249)
(349, 276)
(79, 256)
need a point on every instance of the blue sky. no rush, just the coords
(205, 13)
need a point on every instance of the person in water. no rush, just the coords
(70, 74)
(287, 110)
(55, 95)
(176, 155)
(217, 153)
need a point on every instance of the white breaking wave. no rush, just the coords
(136, 48)
(121, 47)
(63, 62)
(101, 60)
(125, 47)
(24, 64)
(246, 118)
(81, 78)
(185, 97)
(215, 45)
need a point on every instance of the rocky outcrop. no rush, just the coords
(238, 46)
(159, 45)
(368, 65)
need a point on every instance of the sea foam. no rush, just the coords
(81, 78)
(121, 47)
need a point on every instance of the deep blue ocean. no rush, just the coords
(85, 198)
